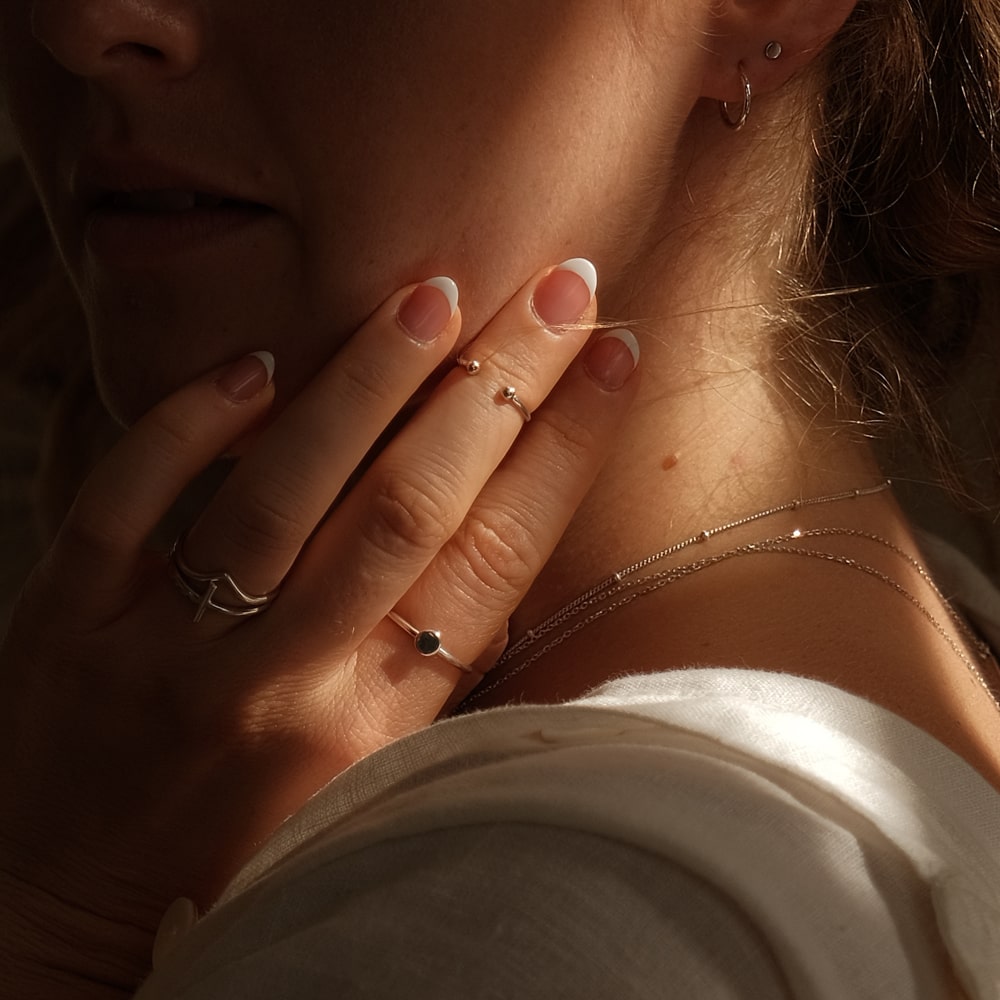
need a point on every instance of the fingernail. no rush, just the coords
(428, 308)
(612, 358)
(248, 377)
(563, 294)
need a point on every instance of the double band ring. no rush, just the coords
(206, 590)
(427, 642)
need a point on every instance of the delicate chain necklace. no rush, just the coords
(620, 589)
(983, 651)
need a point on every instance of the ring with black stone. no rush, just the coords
(427, 642)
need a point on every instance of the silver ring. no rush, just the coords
(203, 588)
(427, 642)
(509, 395)
(471, 365)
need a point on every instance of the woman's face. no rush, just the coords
(231, 175)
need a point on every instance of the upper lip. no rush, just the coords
(97, 178)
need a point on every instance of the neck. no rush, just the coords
(710, 440)
(700, 451)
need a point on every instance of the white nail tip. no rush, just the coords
(584, 268)
(627, 337)
(267, 359)
(448, 287)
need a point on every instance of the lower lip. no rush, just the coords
(135, 239)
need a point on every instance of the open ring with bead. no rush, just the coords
(508, 394)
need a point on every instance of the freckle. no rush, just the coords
(669, 462)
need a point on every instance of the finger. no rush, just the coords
(471, 589)
(271, 503)
(134, 486)
(421, 487)
(481, 666)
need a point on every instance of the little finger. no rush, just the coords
(134, 486)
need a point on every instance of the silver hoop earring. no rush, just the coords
(737, 123)
(772, 51)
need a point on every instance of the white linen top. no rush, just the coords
(707, 833)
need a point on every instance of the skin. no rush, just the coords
(445, 127)
(479, 120)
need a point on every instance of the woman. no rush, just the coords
(814, 820)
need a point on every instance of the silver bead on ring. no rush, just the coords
(509, 395)
(471, 365)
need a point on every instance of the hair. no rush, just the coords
(891, 289)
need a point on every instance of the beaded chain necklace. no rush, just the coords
(624, 586)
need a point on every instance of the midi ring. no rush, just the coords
(427, 642)
(202, 588)
(471, 365)
(509, 395)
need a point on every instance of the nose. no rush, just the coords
(158, 39)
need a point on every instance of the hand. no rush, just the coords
(149, 755)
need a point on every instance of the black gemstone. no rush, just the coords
(427, 643)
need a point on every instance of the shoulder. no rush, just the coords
(707, 825)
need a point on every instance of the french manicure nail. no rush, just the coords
(248, 377)
(564, 293)
(612, 358)
(427, 309)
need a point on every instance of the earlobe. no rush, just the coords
(761, 44)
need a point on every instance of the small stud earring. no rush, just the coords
(772, 50)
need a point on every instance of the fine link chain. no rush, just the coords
(982, 649)
(612, 582)
(779, 545)
(620, 584)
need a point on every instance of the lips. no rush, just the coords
(167, 201)
(134, 180)
(142, 211)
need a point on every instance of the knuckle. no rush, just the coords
(410, 510)
(499, 550)
(575, 437)
(171, 433)
(95, 530)
(265, 523)
(367, 385)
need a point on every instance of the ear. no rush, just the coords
(743, 32)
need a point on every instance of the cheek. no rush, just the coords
(442, 173)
